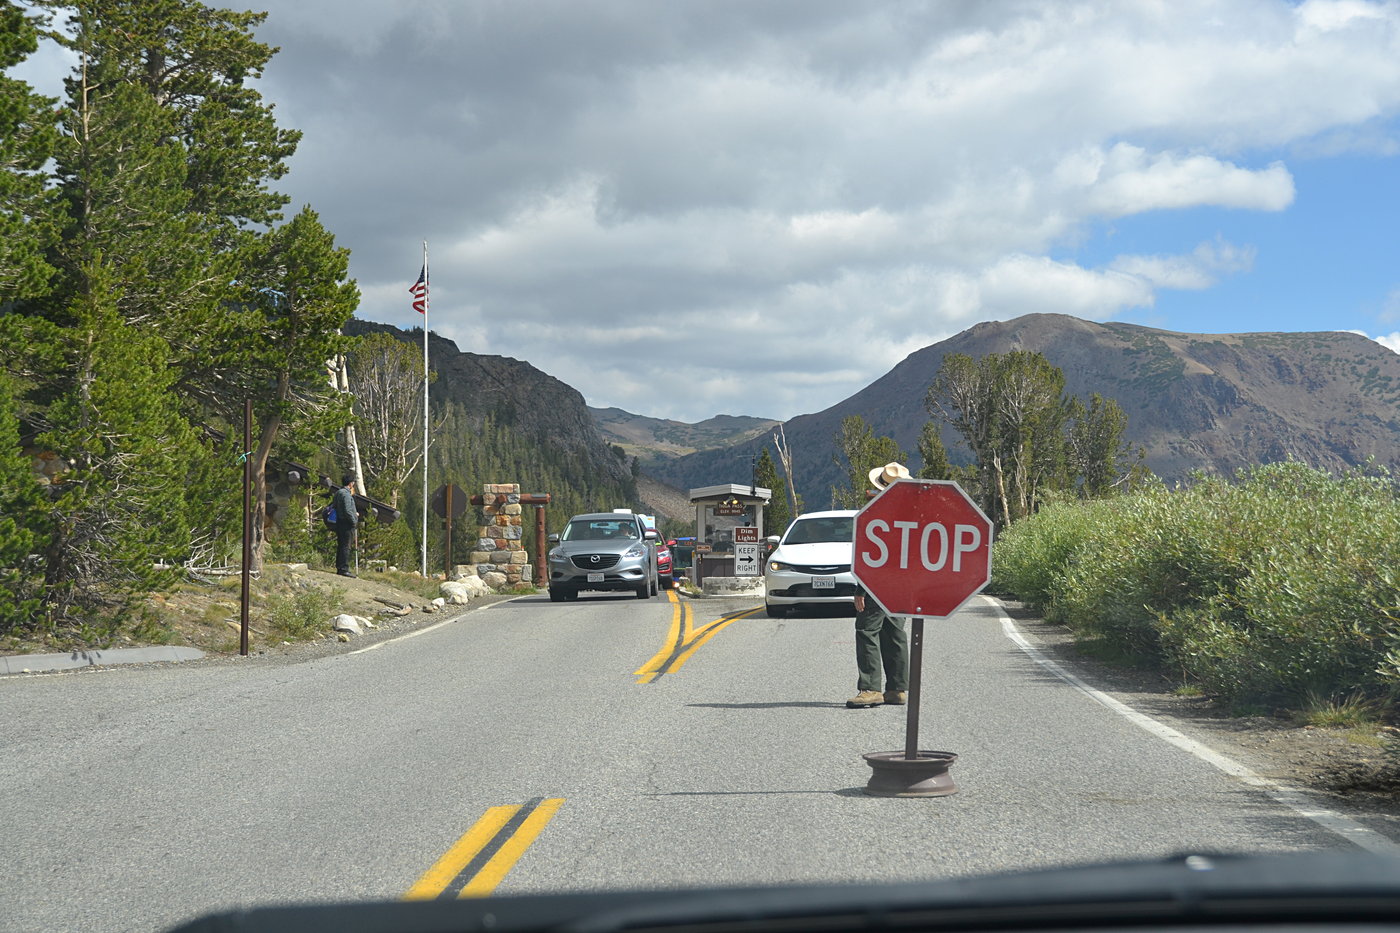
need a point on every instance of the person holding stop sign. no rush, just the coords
(882, 645)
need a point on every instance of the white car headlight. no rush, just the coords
(778, 565)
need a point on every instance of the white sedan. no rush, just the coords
(812, 565)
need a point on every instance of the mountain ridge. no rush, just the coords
(1216, 402)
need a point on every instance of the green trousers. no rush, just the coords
(882, 646)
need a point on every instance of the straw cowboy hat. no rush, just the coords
(880, 477)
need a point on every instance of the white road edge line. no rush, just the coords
(1296, 800)
(417, 632)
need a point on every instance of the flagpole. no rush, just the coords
(425, 409)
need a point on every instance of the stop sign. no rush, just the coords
(922, 548)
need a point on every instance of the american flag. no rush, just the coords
(419, 291)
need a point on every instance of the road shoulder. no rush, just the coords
(1351, 776)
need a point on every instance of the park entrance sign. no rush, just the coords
(922, 548)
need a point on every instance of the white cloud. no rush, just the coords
(1129, 180)
(1390, 309)
(1389, 341)
(772, 206)
(1201, 269)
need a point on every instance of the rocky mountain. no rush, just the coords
(654, 439)
(1194, 401)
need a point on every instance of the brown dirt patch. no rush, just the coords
(206, 614)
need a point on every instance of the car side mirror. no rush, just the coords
(671, 543)
(554, 539)
(773, 539)
(650, 535)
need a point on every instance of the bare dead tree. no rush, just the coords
(386, 378)
(785, 458)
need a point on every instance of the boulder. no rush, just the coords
(346, 623)
(495, 580)
(456, 594)
(475, 586)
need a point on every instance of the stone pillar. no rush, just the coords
(500, 558)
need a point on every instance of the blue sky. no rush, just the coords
(1328, 261)
(761, 206)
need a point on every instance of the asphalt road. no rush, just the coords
(607, 743)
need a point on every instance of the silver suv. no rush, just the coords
(603, 551)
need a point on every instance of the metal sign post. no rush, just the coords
(448, 502)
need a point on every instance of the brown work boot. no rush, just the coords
(865, 699)
(896, 697)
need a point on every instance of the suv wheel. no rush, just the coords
(644, 591)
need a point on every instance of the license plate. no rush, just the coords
(595, 578)
(823, 583)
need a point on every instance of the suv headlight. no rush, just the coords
(636, 550)
(556, 554)
(778, 565)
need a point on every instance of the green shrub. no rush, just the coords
(304, 614)
(1032, 557)
(1276, 588)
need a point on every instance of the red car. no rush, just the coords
(663, 564)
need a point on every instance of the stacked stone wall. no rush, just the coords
(500, 558)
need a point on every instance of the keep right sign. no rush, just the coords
(922, 548)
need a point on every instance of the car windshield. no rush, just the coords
(820, 530)
(1076, 297)
(600, 530)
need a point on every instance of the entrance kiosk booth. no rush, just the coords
(718, 511)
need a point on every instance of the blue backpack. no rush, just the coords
(330, 516)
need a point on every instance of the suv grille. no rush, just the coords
(594, 561)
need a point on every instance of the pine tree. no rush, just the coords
(1029, 439)
(294, 299)
(167, 164)
(120, 507)
(22, 517)
(859, 451)
(27, 138)
(932, 454)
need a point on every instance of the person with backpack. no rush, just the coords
(346, 520)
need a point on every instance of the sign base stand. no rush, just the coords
(896, 775)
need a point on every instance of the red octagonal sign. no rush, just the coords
(922, 548)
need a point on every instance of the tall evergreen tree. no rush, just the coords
(168, 163)
(120, 505)
(1028, 438)
(1101, 459)
(22, 517)
(932, 454)
(859, 451)
(294, 299)
(27, 138)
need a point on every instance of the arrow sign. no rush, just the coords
(746, 559)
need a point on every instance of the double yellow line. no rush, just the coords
(486, 853)
(683, 640)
